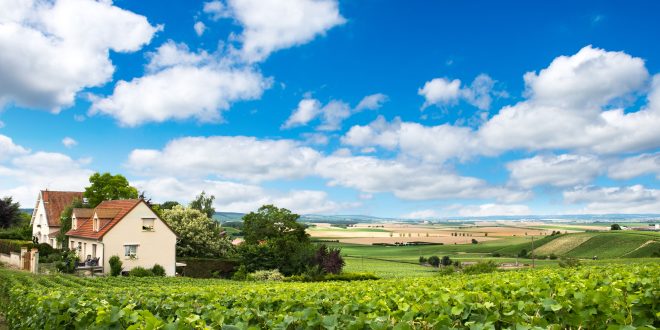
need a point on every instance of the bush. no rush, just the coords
(140, 272)
(422, 260)
(68, 262)
(522, 253)
(474, 241)
(434, 261)
(241, 274)
(496, 254)
(446, 261)
(552, 256)
(158, 270)
(115, 266)
(569, 262)
(447, 270)
(208, 267)
(266, 275)
(481, 267)
(333, 277)
(9, 245)
(329, 260)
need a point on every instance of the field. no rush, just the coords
(589, 297)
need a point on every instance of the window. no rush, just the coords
(95, 224)
(148, 224)
(72, 245)
(79, 247)
(93, 250)
(130, 251)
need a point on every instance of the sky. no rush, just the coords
(423, 110)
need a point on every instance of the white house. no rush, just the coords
(125, 228)
(46, 215)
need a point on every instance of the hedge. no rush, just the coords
(207, 267)
(9, 245)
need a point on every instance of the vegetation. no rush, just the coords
(10, 213)
(158, 270)
(613, 296)
(68, 262)
(105, 187)
(140, 272)
(115, 266)
(204, 204)
(615, 227)
(198, 235)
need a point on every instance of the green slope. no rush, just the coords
(611, 244)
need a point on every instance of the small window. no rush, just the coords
(79, 246)
(95, 224)
(130, 251)
(148, 224)
(74, 223)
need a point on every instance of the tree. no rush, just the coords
(204, 204)
(522, 253)
(434, 261)
(329, 260)
(615, 227)
(446, 261)
(105, 187)
(474, 241)
(198, 236)
(65, 221)
(169, 205)
(270, 222)
(10, 213)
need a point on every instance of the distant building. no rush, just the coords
(126, 228)
(45, 220)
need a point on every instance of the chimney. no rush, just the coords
(74, 222)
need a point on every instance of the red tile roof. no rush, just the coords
(117, 207)
(55, 202)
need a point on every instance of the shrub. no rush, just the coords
(10, 245)
(615, 226)
(140, 272)
(208, 267)
(67, 264)
(522, 253)
(241, 274)
(474, 241)
(446, 261)
(569, 262)
(434, 261)
(481, 267)
(496, 254)
(329, 260)
(266, 275)
(158, 270)
(422, 260)
(446, 270)
(333, 277)
(553, 256)
(115, 266)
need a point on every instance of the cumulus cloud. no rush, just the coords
(50, 51)
(615, 200)
(442, 91)
(69, 142)
(421, 214)
(199, 27)
(239, 197)
(226, 157)
(560, 171)
(635, 166)
(271, 25)
(485, 210)
(181, 85)
(371, 102)
(332, 114)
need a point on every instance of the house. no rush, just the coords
(45, 220)
(125, 228)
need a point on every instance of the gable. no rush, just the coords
(54, 202)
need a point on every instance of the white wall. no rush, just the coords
(40, 223)
(154, 247)
(13, 259)
(87, 248)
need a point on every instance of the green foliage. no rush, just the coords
(615, 227)
(207, 267)
(434, 261)
(614, 297)
(241, 274)
(270, 222)
(10, 212)
(105, 187)
(522, 253)
(329, 259)
(158, 270)
(8, 245)
(203, 204)
(198, 236)
(445, 261)
(481, 267)
(568, 262)
(344, 277)
(447, 270)
(422, 260)
(266, 275)
(115, 266)
(140, 272)
(68, 262)
(552, 256)
(169, 205)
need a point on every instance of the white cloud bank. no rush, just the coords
(615, 200)
(485, 210)
(442, 91)
(50, 51)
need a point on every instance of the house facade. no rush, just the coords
(125, 228)
(45, 220)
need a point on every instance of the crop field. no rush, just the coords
(588, 298)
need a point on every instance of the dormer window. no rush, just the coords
(148, 224)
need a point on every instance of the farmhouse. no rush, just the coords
(45, 220)
(125, 228)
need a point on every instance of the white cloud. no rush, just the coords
(308, 109)
(50, 51)
(225, 157)
(635, 166)
(183, 85)
(485, 210)
(69, 142)
(199, 27)
(421, 214)
(407, 181)
(216, 9)
(442, 91)
(238, 197)
(560, 171)
(371, 102)
(270, 25)
(332, 114)
(615, 200)
(8, 148)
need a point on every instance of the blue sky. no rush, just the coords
(431, 109)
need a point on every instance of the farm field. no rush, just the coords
(588, 297)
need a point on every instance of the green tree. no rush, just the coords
(10, 212)
(168, 205)
(65, 221)
(204, 204)
(105, 187)
(198, 236)
(270, 222)
(615, 227)
(434, 261)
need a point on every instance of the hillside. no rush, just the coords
(617, 244)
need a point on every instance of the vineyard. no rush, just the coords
(587, 298)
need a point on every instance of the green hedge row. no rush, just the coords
(10, 245)
(207, 267)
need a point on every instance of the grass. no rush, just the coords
(613, 244)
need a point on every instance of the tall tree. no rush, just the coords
(198, 236)
(204, 204)
(270, 222)
(10, 212)
(105, 187)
